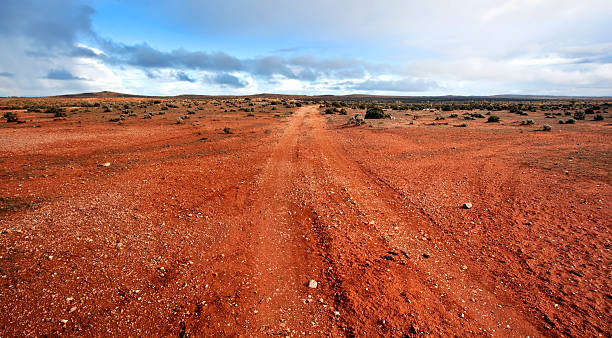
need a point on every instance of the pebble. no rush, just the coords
(105, 164)
(467, 205)
(464, 267)
(313, 284)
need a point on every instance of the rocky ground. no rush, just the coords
(289, 222)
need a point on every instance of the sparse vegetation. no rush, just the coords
(11, 116)
(375, 113)
(598, 117)
(493, 119)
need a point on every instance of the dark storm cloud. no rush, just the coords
(182, 76)
(403, 85)
(61, 74)
(6, 74)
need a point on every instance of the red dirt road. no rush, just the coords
(193, 231)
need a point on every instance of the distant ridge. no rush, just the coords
(353, 97)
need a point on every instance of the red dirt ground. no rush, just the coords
(193, 231)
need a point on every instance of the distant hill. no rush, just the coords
(98, 95)
(350, 97)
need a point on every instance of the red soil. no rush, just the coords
(194, 231)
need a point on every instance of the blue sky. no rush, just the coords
(388, 47)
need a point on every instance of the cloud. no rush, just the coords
(227, 80)
(61, 74)
(402, 85)
(182, 76)
(50, 24)
(6, 74)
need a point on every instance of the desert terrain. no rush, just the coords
(266, 216)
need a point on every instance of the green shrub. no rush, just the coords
(227, 130)
(493, 118)
(375, 113)
(11, 116)
(579, 115)
(570, 121)
(598, 117)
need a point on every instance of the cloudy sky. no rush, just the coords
(392, 47)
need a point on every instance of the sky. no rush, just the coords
(384, 47)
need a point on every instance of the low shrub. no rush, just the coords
(11, 116)
(546, 127)
(375, 113)
(579, 115)
(598, 117)
(493, 118)
(570, 121)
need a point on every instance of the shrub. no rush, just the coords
(579, 115)
(11, 116)
(478, 115)
(343, 111)
(227, 130)
(329, 111)
(146, 116)
(570, 121)
(546, 127)
(527, 122)
(493, 118)
(53, 110)
(561, 122)
(179, 120)
(375, 113)
(59, 113)
(453, 115)
(598, 117)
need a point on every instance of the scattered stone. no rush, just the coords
(576, 273)
(467, 205)
(105, 164)
(463, 267)
(313, 284)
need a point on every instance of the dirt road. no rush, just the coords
(193, 232)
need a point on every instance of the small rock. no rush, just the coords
(426, 255)
(105, 164)
(467, 205)
(313, 284)
(64, 321)
(72, 309)
(464, 267)
(336, 313)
